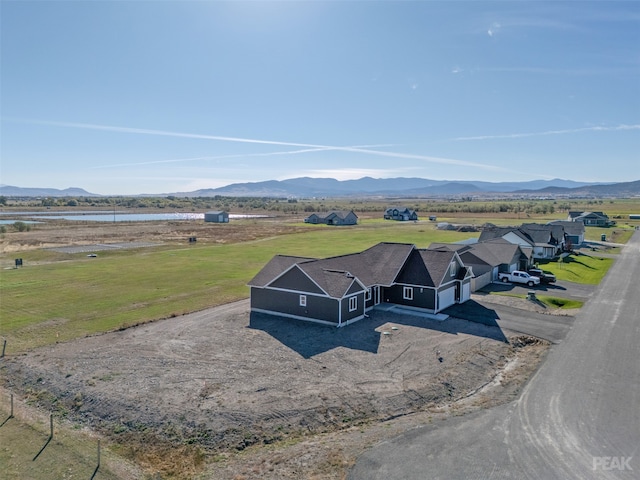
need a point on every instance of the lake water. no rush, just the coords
(121, 217)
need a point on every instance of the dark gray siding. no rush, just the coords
(295, 279)
(288, 303)
(358, 312)
(422, 299)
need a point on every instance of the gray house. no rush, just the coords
(591, 219)
(573, 233)
(487, 259)
(333, 218)
(340, 290)
(216, 217)
(545, 241)
(402, 214)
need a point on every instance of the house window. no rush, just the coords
(407, 293)
(303, 300)
(452, 269)
(368, 294)
(353, 303)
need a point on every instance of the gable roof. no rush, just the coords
(571, 228)
(377, 265)
(275, 267)
(499, 251)
(335, 283)
(341, 214)
(427, 267)
(578, 215)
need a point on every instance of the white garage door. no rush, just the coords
(466, 292)
(446, 298)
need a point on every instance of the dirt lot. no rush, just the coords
(222, 380)
(62, 233)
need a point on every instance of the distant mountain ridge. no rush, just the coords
(11, 191)
(306, 187)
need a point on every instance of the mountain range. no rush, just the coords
(306, 187)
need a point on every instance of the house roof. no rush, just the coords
(542, 234)
(336, 283)
(493, 232)
(454, 247)
(578, 215)
(400, 210)
(276, 266)
(427, 267)
(498, 251)
(571, 228)
(342, 214)
(377, 265)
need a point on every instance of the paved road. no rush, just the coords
(578, 417)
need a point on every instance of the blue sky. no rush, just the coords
(127, 97)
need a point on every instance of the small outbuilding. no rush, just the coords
(216, 217)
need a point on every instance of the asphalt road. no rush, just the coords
(578, 417)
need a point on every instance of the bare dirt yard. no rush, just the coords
(182, 392)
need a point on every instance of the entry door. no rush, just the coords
(376, 295)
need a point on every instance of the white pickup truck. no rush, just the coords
(519, 277)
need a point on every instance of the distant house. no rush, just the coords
(216, 217)
(545, 241)
(333, 218)
(402, 214)
(487, 259)
(340, 290)
(591, 219)
(573, 233)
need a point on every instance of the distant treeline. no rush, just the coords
(295, 206)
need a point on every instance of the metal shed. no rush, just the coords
(216, 217)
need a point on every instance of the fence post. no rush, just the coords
(4, 346)
(11, 414)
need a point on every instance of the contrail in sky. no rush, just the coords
(146, 131)
(238, 155)
(551, 132)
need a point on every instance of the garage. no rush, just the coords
(446, 298)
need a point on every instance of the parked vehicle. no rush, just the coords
(519, 277)
(543, 276)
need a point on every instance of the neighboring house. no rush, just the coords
(487, 259)
(401, 214)
(216, 217)
(573, 233)
(545, 241)
(333, 218)
(340, 290)
(591, 219)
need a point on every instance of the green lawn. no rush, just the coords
(62, 300)
(581, 268)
